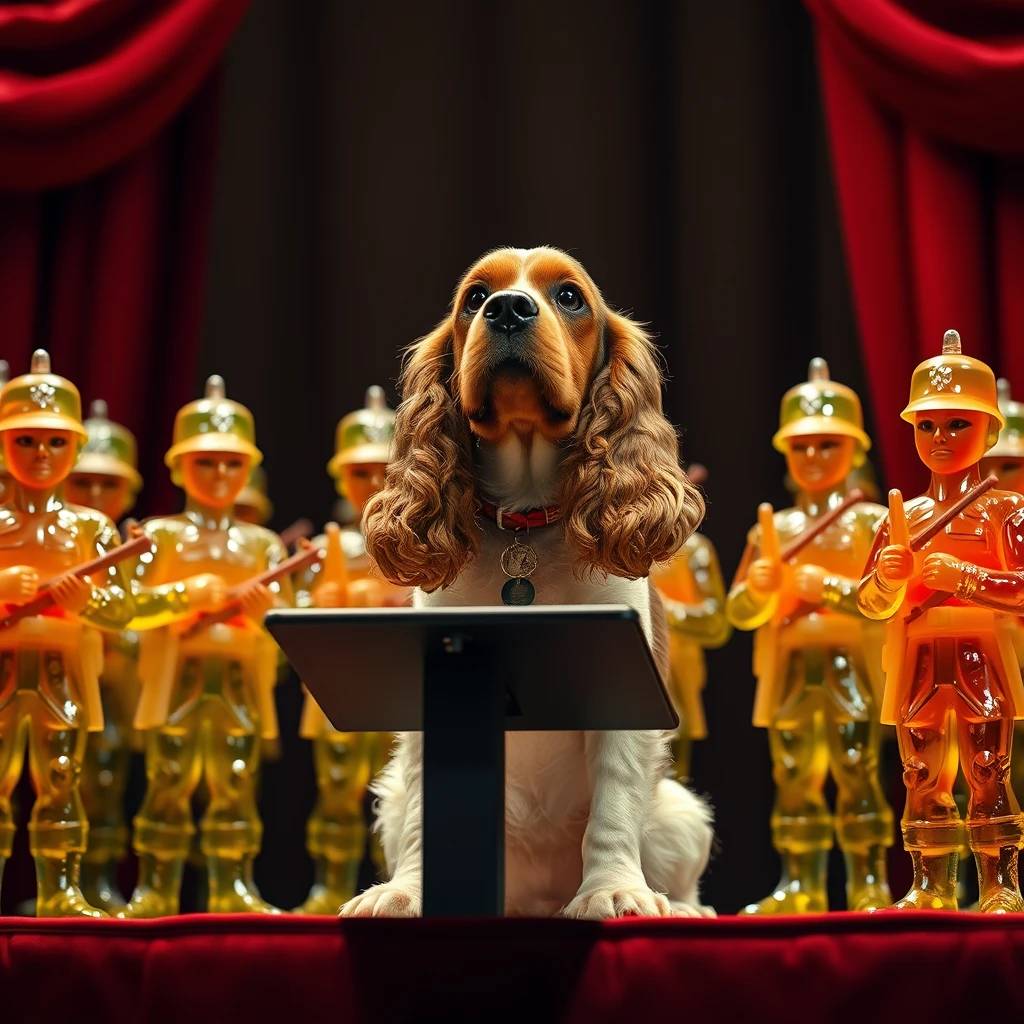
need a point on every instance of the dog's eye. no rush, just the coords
(476, 298)
(569, 297)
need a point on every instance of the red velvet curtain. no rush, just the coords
(924, 103)
(108, 128)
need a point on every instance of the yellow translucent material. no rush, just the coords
(693, 593)
(818, 679)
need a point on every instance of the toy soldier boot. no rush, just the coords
(337, 851)
(334, 884)
(158, 891)
(232, 889)
(867, 886)
(864, 838)
(995, 845)
(934, 853)
(107, 847)
(801, 889)
(57, 891)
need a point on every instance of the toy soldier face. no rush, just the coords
(361, 481)
(1008, 470)
(40, 458)
(820, 462)
(102, 491)
(214, 478)
(950, 440)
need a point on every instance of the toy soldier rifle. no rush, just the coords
(302, 559)
(770, 547)
(795, 546)
(301, 529)
(44, 598)
(934, 528)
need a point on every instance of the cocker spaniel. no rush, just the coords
(533, 402)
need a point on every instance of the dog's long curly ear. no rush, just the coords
(626, 503)
(420, 528)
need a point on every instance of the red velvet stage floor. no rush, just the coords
(836, 968)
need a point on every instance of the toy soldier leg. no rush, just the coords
(995, 826)
(163, 826)
(58, 829)
(336, 831)
(801, 823)
(231, 832)
(863, 818)
(932, 829)
(104, 779)
(12, 756)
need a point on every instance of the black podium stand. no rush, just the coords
(465, 676)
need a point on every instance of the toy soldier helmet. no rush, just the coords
(364, 435)
(213, 423)
(821, 406)
(955, 381)
(41, 399)
(1011, 438)
(110, 449)
(254, 494)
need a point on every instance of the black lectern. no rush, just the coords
(465, 676)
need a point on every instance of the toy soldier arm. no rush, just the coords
(877, 600)
(156, 606)
(703, 621)
(111, 605)
(282, 589)
(744, 607)
(1001, 590)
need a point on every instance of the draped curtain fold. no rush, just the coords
(923, 105)
(108, 130)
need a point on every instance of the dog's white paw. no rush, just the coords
(385, 900)
(681, 909)
(627, 901)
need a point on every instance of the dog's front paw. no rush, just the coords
(618, 901)
(681, 909)
(385, 900)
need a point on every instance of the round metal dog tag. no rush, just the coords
(518, 591)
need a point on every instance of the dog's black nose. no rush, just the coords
(509, 311)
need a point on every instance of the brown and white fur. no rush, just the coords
(534, 393)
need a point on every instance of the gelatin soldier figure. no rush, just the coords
(818, 679)
(947, 571)
(106, 479)
(1005, 461)
(346, 762)
(50, 663)
(693, 592)
(207, 693)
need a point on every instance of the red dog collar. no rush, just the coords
(534, 519)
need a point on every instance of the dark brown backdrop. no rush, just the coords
(371, 152)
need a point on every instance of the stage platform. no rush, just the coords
(907, 967)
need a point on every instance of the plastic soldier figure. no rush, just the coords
(693, 592)
(106, 479)
(816, 688)
(50, 663)
(948, 574)
(346, 762)
(207, 693)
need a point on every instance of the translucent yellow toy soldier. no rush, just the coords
(345, 762)
(207, 693)
(817, 678)
(50, 663)
(105, 478)
(1005, 461)
(253, 503)
(948, 573)
(693, 592)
